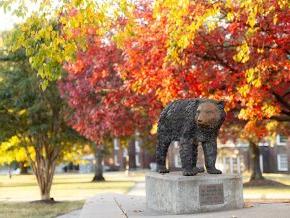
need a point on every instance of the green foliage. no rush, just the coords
(30, 117)
(51, 33)
(43, 45)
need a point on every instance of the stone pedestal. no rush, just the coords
(176, 194)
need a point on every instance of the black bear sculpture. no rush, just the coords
(190, 121)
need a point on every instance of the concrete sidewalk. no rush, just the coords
(122, 206)
(133, 205)
(138, 189)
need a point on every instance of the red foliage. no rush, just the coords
(208, 68)
(102, 104)
(114, 92)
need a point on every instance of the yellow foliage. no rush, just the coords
(271, 126)
(182, 31)
(243, 54)
(244, 90)
(243, 114)
(283, 3)
(230, 16)
(275, 19)
(253, 77)
(154, 128)
(252, 16)
(270, 110)
(13, 150)
(47, 48)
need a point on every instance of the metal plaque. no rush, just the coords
(211, 194)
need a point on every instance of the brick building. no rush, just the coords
(235, 157)
(133, 157)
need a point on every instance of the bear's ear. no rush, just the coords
(221, 104)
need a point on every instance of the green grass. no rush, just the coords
(65, 186)
(70, 190)
(269, 192)
(283, 178)
(37, 210)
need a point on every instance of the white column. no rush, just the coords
(231, 165)
(224, 165)
(261, 163)
(239, 164)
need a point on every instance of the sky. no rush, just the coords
(7, 21)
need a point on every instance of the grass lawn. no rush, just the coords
(70, 190)
(37, 210)
(269, 192)
(66, 187)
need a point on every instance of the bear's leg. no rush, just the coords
(210, 154)
(186, 151)
(194, 159)
(161, 152)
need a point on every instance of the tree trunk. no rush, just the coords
(132, 154)
(23, 168)
(44, 174)
(44, 167)
(98, 165)
(255, 162)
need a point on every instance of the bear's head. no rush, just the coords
(210, 114)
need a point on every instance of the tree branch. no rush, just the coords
(281, 118)
(281, 100)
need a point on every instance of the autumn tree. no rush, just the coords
(34, 117)
(11, 152)
(51, 38)
(213, 53)
(232, 50)
(103, 105)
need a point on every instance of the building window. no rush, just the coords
(125, 152)
(137, 146)
(264, 143)
(116, 144)
(177, 160)
(137, 158)
(137, 153)
(116, 159)
(261, 163)
(282, 160)
(281, 140)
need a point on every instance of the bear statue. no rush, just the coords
(190, 121)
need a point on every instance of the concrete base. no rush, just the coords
(176, 194)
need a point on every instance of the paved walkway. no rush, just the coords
(133, 205)
(138, 189)
(122, 206)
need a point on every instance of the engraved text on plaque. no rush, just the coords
(211, 194)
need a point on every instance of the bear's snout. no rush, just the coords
(199, 121)
(203, 122)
